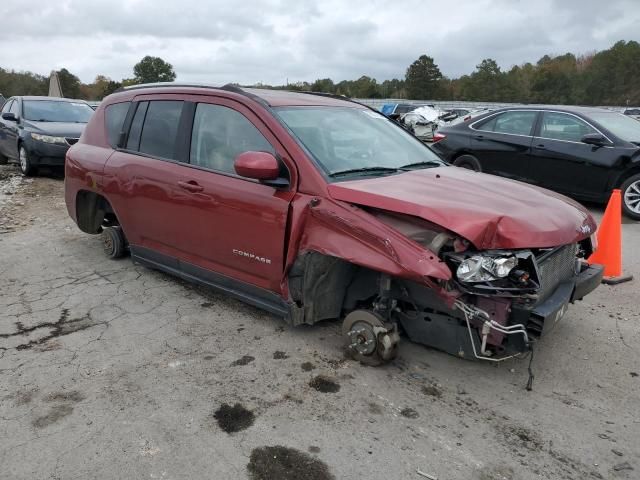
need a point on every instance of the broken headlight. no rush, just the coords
(481, 268)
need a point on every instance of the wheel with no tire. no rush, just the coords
(469, 162)
(631, 197)
(26, 166)
(113, 242)
(370, 339)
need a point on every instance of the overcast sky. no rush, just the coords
(271, 41)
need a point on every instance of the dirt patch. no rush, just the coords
(521, 436)
(324, 384)
(307, 366)
(71, 396)
(234, 419)
(374, 408)
(499, 472)
(283, 463)
(432, 391)
(245, 360)
(54, 415)
(409, 413)
(23, 397)
(314, 449)
(278, 355)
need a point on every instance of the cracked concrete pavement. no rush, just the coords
(111, 370)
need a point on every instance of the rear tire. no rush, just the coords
(631, 197)
(469, 162)
(24, 159)
(114, 244)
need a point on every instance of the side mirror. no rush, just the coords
(257, 165)
(594, 139)
(11, 117)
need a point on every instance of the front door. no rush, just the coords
(561, 162)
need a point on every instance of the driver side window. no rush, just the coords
(7, 106)
(220, 134)
(561, 126)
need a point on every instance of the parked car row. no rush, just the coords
(37, 131)
(578, 151)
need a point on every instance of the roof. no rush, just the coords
(54, 99)
(560, 108)
(269, 97)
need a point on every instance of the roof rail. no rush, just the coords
(229, 87)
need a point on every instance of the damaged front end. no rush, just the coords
(497, 302)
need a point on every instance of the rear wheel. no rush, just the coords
(631, 197)
(372, 341)
(26, 166)
(113, 242)
(469, 162)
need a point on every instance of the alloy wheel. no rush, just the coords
(632, 197)
(23, 159)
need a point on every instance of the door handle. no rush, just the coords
(478, 137)
(191, 186)
(540, 146)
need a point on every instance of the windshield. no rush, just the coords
(344, 139)
(623, 127)
(56, 111)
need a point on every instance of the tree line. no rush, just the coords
(608, 77)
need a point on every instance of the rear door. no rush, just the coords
(561, 162)
(502, 143)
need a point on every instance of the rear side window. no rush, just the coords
(220, 134)
(560, 126)
(514, 123)
(133, 141)
(114, 118)
(160, 128)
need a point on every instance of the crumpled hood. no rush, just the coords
(489, 211)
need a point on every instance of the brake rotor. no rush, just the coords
(371, 340)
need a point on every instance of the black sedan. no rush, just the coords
(578, 151)
(39, 130)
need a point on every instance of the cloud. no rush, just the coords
(271, 41)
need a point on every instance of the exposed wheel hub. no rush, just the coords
(370, 339)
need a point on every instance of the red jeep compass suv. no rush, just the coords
(315, 207)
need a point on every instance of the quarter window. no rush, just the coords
(15, 108)
(114, 118)
(518, 122)
(560, 126)
(160, 129)
(220, 134)
(7, 106)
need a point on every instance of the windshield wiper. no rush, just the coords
(421, 164)
(364, 170)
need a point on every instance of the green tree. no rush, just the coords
(153, 69)
(70, 84)
(422, 79)
(325, 85)
(486, 83)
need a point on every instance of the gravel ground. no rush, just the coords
(111, 370)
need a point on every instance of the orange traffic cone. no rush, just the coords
(609, 251)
